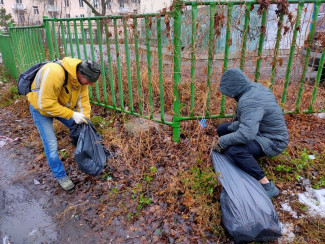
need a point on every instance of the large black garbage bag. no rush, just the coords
(89, 154)
(247, 212)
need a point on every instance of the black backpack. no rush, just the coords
(26, 78)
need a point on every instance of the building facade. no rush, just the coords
(31, 12)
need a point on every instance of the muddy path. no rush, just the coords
(30, 212)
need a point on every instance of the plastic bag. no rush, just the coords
(89, 154)
(247, 212)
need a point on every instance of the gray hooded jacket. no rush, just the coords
(258, 116)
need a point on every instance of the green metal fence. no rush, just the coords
(7, 54)
(167, 66)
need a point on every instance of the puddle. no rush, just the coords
(23, 217)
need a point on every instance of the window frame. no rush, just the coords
(35, 10)
(81, 4)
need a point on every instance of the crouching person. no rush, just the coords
(259, 128)
(57, 91)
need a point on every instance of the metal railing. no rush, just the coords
(166, 67)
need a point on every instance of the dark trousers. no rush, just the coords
(243, 155)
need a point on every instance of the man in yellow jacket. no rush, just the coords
(52, 98)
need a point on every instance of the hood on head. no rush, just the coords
(234, 83)
(70, 65)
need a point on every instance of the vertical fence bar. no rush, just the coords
(40, 40)
(63, 39)
(33, 45)
(276, 50)
(83, 39)
(260, 45)
(109, 58)
(37, 48)
(128, 70)
(210, 55)
(303, 75)
(49, 37)
(102, 65)
(55, 40)
(244, 40)
(225, 63)
(292, 52)
(70, 39)
(193, 56)
(319, 74)
(76, 37)
(148, 30)
(119, 74)
(26, 48)
(160, 67)
(177, 70)
(93, 58)
(137, 60)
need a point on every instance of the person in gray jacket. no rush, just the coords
(259, 128)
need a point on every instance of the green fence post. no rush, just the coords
(193, 56)
(177, 70)
(210, 55)
(128, 69)
(310, 40)
(260, 45)
(276, 50)
(48, 37)
(246, 29)
(160, 68)
(292, 51)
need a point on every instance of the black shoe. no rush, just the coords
(271, 189)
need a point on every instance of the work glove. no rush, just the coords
(79, 118)
(218, 148)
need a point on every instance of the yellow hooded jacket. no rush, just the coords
(51, 99)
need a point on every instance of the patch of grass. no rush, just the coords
(9, 96)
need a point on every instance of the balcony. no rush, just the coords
(52, 8)
(123, 10)
(19, 7)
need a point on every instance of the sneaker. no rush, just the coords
(271, 189)
(66, 183)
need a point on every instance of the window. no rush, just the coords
(18, 1)
(95, 3)
(135, 11)
(66, 3)
(81, 3)
(135, 1)
(1, 1)
(51, 2)
(67, 15)
(121, 5)
(108, 5)
(38, 22)
(35, 9)
(82, 15)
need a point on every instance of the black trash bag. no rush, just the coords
(247, 211)
(89, 154)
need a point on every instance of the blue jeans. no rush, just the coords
(243, 155)
(45, 128)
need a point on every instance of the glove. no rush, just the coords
(79, 118)
(217, 147)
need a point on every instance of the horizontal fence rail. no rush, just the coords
(167, 66)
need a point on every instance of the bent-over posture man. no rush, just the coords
(259, 128)
(52, 98)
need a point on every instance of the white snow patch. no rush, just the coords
(311, 156)
(315, 200)
(321, 115)
(286, 207)
(5, 240)
(287, 233)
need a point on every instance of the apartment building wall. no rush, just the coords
(153, 6)
(31, 12)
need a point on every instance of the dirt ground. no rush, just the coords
(149, 193)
